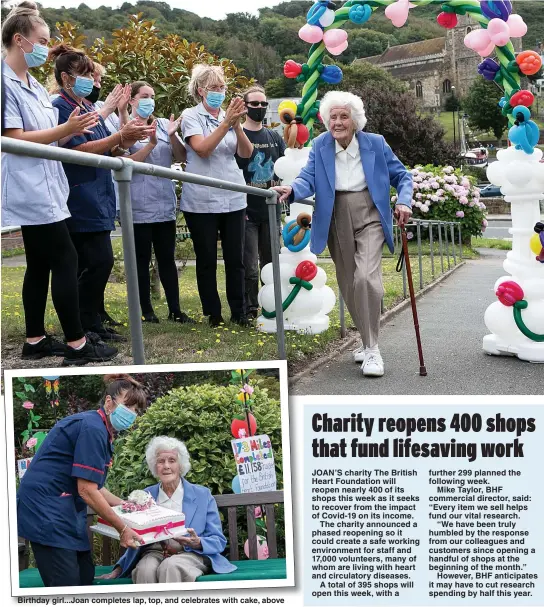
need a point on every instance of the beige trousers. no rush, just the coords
(355, 242)
(153, 568)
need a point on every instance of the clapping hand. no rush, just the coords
(112, 100)
(173, 125)
(126, 94)
(237, 109)
(79, 124)
(134, 131)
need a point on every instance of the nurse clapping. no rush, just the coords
(66, 475)
(35, 192)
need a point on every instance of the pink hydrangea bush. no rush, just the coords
(445, 194)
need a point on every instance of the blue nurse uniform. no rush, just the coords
(50, 512)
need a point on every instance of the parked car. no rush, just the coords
(490, 191)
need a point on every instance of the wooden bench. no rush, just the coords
(248, 569)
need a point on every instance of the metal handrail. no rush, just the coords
(123, 168)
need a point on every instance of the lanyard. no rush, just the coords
(103, 416)
(74, 104)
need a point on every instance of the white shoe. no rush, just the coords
(359, 355)
(373, 364)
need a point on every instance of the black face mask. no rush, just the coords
(94, 95)
(256, 113)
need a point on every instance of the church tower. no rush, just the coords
(461, 63)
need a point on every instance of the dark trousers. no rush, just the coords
(231, 227)
(61, 567)
(257, 253)
(162, 237)
(50, 252)
(95, 262)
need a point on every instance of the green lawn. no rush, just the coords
(169, 342)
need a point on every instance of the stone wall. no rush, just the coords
(12, 240)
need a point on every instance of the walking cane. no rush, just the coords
(405, 258)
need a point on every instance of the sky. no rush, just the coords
(215, 9)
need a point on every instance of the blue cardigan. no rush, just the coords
(201, 514)
(382, 170)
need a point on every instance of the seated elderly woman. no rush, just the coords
(350, 172)
(186, 558)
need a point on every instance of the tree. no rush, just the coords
(482, 106)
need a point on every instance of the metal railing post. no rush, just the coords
(460, 242)
(419, 254)
(431, 248)
(447, 244)
(452, 232)
(440, 246)
(342, 314)
(272, 203)
(123, 178)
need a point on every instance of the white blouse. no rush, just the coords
(175, 502)
(350, 176)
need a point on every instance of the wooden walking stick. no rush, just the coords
(405, 258)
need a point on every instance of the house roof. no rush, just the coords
(403, 52)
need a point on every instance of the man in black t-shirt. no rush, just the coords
(258, 172)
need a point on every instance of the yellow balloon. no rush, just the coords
(287, 105)
(536, 246)
(241, 397)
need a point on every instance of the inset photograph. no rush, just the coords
(176, 477)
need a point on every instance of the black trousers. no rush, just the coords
(50, 252)
(61, 567)
(95, 262)
(257, 253)
(162, 237)
(231, 227)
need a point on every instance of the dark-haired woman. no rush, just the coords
(68, 474)
(35, 191)
(154, 204)
(92, 196)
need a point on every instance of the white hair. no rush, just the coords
(166, 443)
(204, 75)
(347, 100)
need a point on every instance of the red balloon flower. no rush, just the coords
(529, 62)
(525, 98)
(306, 270)
(292, 69)
(239, 429)
(509, 292)
(303, 134)
(447, 20)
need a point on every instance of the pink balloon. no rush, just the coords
(498, 32)
(336, 41)
(487, 51)
(477, 40)
(311, 33)
(398, 12)
(338, 50)
(518, 27)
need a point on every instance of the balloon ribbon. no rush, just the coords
(518, 307)
(299, 283)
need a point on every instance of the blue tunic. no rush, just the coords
(92, 196)
(49, 509)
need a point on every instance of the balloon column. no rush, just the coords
(516, 328)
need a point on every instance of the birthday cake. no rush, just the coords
(140, 512)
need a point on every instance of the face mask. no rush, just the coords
(122, 418)
(38, 55)
(256, 113)
(94, 95)
(83, 86)
(145, 107)
(215, 99)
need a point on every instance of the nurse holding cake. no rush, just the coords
(67, 474)
(185, 558)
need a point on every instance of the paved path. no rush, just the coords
(451, 319)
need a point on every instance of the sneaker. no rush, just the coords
(150, 318)
(215, 321)
(46, 347)
(108, 334)
(252, 314)
(242, 321)
(108, 320)
(359, 355)
(95, 350)
(373, 365)
(181, 317)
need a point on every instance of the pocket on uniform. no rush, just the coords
(23, 186)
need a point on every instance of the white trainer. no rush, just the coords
(373, 364)
(359, 355)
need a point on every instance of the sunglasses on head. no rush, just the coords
(257, 103)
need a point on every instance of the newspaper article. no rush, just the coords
(272, 303)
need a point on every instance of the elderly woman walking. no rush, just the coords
(185, 558)
(351, 172)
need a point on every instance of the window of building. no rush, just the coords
(469, 29)
(446, 86)
(419, 90)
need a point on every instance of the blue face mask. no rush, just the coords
(145, 107)
(83, 86)
(38, 55)
(215, 99)
(122, 418)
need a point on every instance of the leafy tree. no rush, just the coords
(482, 106)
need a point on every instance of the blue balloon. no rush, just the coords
(289, 234)
(359, 13)
(51, 377)
(236, 485)
(316, 12)
(331, 74)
